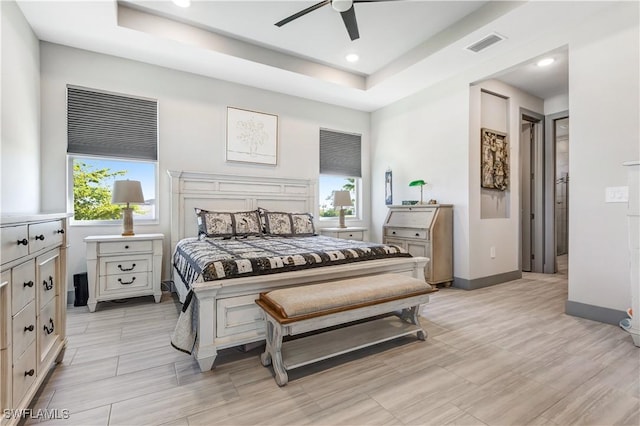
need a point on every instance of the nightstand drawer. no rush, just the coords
(125, 265)
(407, 233)
(124, 282)
(23, 285)
(351, 235)
(123, 247)
(24, 329)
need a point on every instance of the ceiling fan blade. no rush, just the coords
(302, 13)
(349, 18)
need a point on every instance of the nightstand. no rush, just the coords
(348, 233)
(119, 267)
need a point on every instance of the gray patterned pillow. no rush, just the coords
(303, 224)
(247, 223)
(214, 224)
(277, 223)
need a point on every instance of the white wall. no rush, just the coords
(192, 123)
(20, 135)
(604, 111)
(556, 104)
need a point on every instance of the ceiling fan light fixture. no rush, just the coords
(341, 5)
(352, 57)
(182, 3)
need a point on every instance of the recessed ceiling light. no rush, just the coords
(352, 57)
(182, 3)
(545, 62)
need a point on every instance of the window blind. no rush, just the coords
(111, 125)
(340, 153)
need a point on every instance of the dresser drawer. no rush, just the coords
(24, 329)
(48, 328)
(15, 242)
(48, 276)
(123, 247)
(126, 264)
(23, 282)
(407, 233)
(122, 282)
(24, 373)
(45, 234)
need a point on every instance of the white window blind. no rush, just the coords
(108, 124)
(340, 153)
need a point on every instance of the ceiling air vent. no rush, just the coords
(489, 40)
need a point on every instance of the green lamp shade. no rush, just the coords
(418, 182)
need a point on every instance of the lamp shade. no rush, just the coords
(342, 199)
(127, 192)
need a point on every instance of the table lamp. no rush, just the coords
(127, 192)
(342, 199)
(420, 183)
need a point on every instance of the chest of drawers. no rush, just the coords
(33, 299)
(119, 267)
(427, 231)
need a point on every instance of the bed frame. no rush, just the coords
(226, 311)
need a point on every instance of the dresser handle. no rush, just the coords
(60, 231)
(49, 330)
(29, 373)
(23, 241)
(394, 232)
(126, 247)
(124, 283)
(28, 284)
(48, 286)
(417, 235)
(30, 328)
(127, 269)
(40, 237)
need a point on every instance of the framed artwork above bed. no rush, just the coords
(252, 137)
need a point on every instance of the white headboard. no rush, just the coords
(233, 193)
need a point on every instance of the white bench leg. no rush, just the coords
(273, 351)
(411, 315)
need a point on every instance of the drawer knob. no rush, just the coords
(23, 241)
(351, 235)
(127, 269)
(30, 328)
(417, 234)
(394, 232)
(60, 231)
(40, 237)
(28, 284)
(47, 329)
(125, 283)
(29, 373)
(48, 285)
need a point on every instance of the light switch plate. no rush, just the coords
(617, 194)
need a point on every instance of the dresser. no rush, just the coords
(119, 267)
(33, 300)
(350, 233)
(424, 230)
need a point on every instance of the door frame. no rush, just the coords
(550, 261)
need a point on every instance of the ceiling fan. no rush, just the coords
(345, 7)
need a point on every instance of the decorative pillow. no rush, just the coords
(277, 223)
(214, 224)
(302, 224)
(247, 223)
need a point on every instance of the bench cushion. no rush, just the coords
(343, 294)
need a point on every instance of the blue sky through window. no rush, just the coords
(136, 170)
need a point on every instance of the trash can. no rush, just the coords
(81, 285)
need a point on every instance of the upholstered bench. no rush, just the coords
(297, 310)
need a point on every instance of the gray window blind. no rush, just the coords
(111, 125)
(340, 153)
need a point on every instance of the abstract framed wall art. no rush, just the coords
(388, 188)
(495, 160)
(252, 137)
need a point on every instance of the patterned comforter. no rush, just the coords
(210, 259)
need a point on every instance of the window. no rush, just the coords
(340, 170)
(110, 137)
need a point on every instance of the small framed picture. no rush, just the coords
(388, 188)
(252, 137)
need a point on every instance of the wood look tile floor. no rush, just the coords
(502, 355)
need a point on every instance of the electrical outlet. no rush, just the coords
(492, 252)
(617, 194)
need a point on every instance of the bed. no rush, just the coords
(222, 312)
